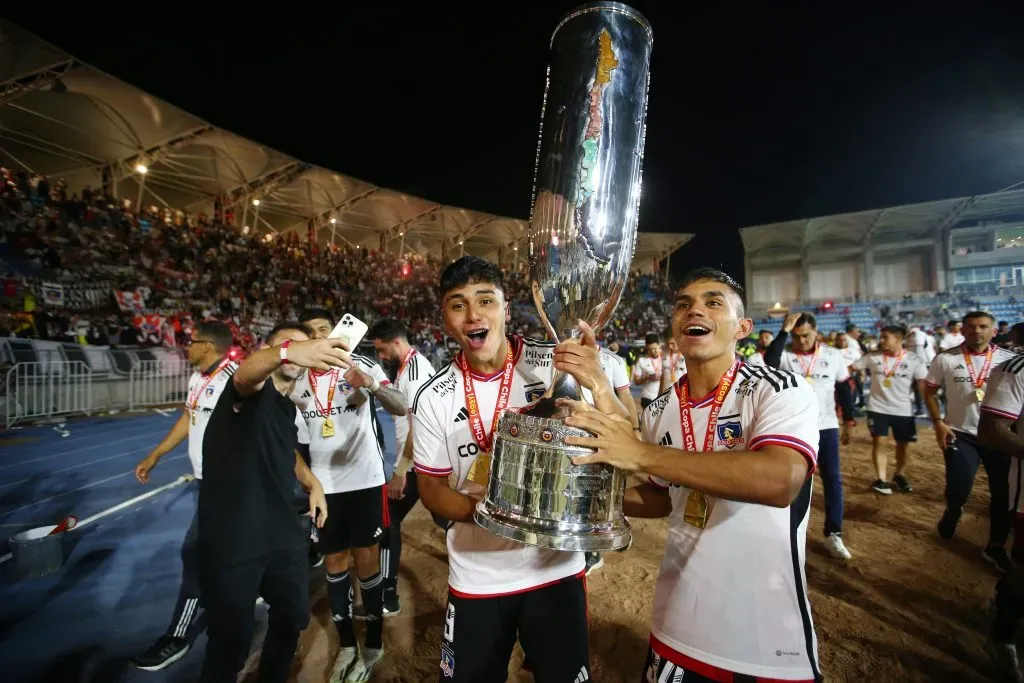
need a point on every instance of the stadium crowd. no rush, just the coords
(96, 270)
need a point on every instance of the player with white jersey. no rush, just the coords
(894, 373)
(962, 372)
(827, 372)
(346, 450)
(411, 371)
(208, 353)
(954, 337)
(673, 365)
(1001, 428)
(730, 600)
(498, 589)
(647, 371)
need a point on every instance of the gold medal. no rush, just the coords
(810, 380)
(887, 383)
(979, 394)
(327, 429)
(193, 417)
(480, 470)
(696, 512)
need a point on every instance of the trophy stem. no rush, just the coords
(563, 385)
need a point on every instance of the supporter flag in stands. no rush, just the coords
(53, 294)
(132, 302)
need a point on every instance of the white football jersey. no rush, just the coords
(906, 369)
(614, 367)
(205, 389)
(479, 562)
(733, 595)
(851, 354)
(949, 370)
(951, 341)
(1004, 397)
(822, 371)
(353, 457)
(645, 365)
(416, 372)
(676, 364)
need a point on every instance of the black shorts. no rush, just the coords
(904, 428)
(550, 623)
(355, 519)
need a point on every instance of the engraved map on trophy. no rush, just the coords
(582, 239)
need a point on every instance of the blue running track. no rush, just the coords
(115, 594)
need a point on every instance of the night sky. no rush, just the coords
(755, 115)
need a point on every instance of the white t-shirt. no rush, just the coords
(416, 372)
(905, 368)
(851, 354)
(479, 562)
(205, 394)
(949, 370)
(353, 458)
(756, 360)
(734, 594)
(676, 363)
(923, 345)
(951, 341)
(822, 372)
(645, 365)
(614, 367)
(1004, 397)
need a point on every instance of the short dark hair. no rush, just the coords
(289, 325)
(897, 330)
(469, 270)
(388, 329)
(651, 338)
(314, 314)
(978, 314)
(807, 319)
(760, 332)
(218, 333)
(714, 275)
(850, 328)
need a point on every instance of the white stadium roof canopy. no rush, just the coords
(60, 117)
(900, 228)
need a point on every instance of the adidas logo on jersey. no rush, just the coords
(377, 533)
(306, 394)
(463, 415)
(666, 440)
(582, 675)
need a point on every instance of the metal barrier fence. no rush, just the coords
(157, 382)
(47, 389)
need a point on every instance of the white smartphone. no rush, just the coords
(351, 329)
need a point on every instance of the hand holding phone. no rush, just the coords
(351, 330)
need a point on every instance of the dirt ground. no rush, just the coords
(908, 606)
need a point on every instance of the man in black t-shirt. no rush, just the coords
(251, 543)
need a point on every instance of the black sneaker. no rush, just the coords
(161, 654)
(998, 557)
(594, 561)
(901, 484)
(947, 525)
(882, 487)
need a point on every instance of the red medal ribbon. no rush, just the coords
(977, 380)
(683, 392)
(401, 366)
(324, 412)
(892, 371)
(808, 369)
(482, 438)
(193, 398)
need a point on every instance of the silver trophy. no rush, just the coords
(582, 239)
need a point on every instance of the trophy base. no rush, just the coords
(537, 496)
(545, 534)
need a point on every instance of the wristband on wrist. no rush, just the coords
(284, 352)
(375, 386)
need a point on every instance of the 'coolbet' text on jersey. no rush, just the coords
(731, 593)
(823, 368)
(892, 381)
(964, 375)
(204, 390)
(482, 564)
(413, 372)
(348, 453)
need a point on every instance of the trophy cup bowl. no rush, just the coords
(581, 243)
